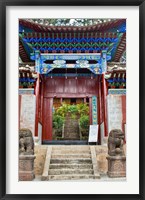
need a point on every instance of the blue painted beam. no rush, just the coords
(81, 61)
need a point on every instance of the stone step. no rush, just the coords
(70, 152)
(71, 123)
(63, 142)
(71, 130)
(71, 134)
(72, 177)
(71, 127)
(71, 120)
(69, 117)
(70, 155)
(70, 147)
(72, 166)
(70, 171)
(71, 161)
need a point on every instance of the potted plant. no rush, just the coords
(30, 84)
(122, 85)
(20, 85)
(117, 85)
(25, 84)
(112, 85)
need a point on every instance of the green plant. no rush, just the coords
(84, 121)
(123, 84)
(84, 127)
(25, 84)
(112, 84)
(30, 84)
(58, 121)
(62, 110)
(72, 109)
(20, 84)
(117, 84)
(83, 109)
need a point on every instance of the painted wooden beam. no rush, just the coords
(37, 88)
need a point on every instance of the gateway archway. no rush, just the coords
(70, 90)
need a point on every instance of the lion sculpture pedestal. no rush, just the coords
(116, 157)
(26, 155)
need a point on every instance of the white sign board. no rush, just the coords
(93, 133)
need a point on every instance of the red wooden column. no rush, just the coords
(100, 104)
(41, 98)
(99, 111)
(37, 88)
(47, 119)
(105, 104)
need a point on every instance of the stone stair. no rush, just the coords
(71, 129)
(73, 162)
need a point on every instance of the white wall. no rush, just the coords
(114, 111)
(27, 112)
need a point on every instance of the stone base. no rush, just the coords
(26, 167)
(116, 166)
(102, 163)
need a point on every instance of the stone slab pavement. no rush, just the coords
(103, 178)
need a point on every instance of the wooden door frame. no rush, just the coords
(47, 114)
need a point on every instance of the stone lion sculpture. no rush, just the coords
(115, 142)
(26, 142)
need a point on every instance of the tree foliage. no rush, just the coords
(69, 22)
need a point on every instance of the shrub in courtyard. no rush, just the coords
(84, 122)
(58, 122)
(62, 110)
(84, 126)
(83, 109)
